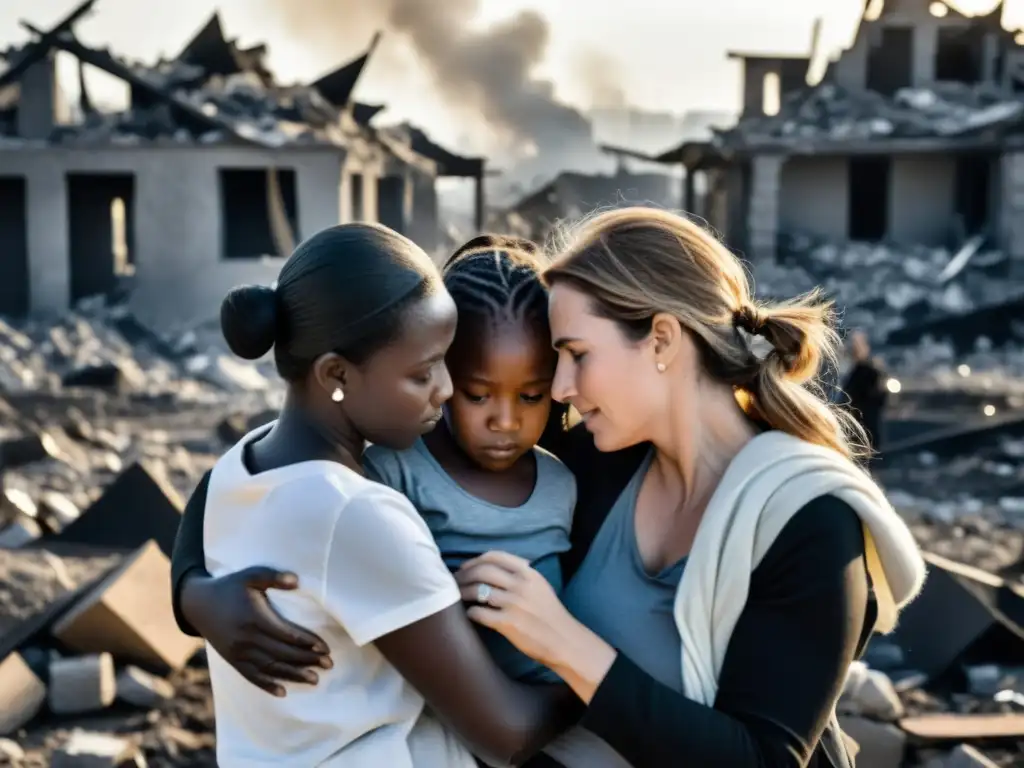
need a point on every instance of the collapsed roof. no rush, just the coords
(571, 195)
(832, 112)
(213, 91)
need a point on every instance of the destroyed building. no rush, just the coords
(915, 134)
(570, 196)
(211, 174)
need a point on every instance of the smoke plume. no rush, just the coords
(487, 72)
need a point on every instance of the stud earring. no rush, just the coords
(661, 367)
(337, 395)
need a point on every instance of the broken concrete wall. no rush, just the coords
(180, 275)
(425, 227)
(763, 206)
(921, 199)
(814, 196)
(41, 103)
(851, 70)
(358, 190)
(1011, 207)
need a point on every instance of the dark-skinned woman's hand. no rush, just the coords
(233, 614)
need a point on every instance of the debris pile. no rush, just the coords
(102, 440)
(213, 91)
(105, 348)
(832, 112)
(570, 196)
(947, 688)
(882, 287)
(271, 114)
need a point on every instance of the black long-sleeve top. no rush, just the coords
(808, 615)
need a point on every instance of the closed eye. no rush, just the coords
(532, 398)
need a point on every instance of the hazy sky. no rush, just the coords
(665, 54)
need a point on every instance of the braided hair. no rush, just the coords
(497, 278)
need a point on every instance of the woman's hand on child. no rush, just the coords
(512, 598)
(517, 601)
(234, 616)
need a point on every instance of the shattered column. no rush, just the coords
(1012, 208)
(763, 206)
(39, 101)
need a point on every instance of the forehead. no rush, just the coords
(427, 331)
(570, 313)
(509, 353)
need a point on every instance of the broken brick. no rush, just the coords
(966, 756)
(120, 377)
(232, 428)
(960, 608)
(82, 684)
(140, 505)
(14, 502)
(21, 451)
(22, 530)
(881, 745)
(141, 689)
(22, 694)
(95, 750)
(876, 697)
(57, 511)
(129, 614)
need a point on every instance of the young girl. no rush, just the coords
(479, 479)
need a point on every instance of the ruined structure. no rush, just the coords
(570, 196)
(914, 135)
(211, 174)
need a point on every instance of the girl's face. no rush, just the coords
(502, 392)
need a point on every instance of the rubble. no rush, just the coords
(82, 684)
(212, 92)
(830, 111)
(884, 287)
(93, 670)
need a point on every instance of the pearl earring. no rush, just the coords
(337, 395)
(661, 367)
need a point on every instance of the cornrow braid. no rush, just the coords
(498, 279)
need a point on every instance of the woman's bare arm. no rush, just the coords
(444, 659)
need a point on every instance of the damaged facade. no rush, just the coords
(212, 173)
(570, 196)
(914, 135)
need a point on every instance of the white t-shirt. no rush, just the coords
(367, 565)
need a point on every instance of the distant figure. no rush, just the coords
(865, 385)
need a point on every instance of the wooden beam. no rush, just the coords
(38, 49)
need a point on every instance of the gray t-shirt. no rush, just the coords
(465, 526)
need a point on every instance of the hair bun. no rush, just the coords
(248, 320)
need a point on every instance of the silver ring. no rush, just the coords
(483, 594)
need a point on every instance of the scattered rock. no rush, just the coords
(141, 689)
(82, 684)
(95, 750)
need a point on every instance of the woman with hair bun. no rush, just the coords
(359, 323)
